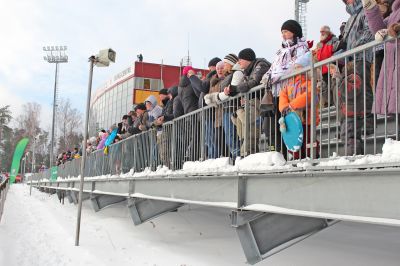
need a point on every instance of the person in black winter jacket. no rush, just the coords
(190, 104)
(253, 71)
(186, 92)
(202, 87)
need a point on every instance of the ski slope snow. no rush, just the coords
(37, 230)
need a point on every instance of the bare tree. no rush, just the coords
(5, 118)
(69, 121)
(29, 120)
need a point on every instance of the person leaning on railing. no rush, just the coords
(358, 70)
(327, 46)
(295, 96)
(293, 46)
(253, 69)
(190, 102)
(382, 28)
(213, 122)
(231, 140)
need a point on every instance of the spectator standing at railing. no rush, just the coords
(253, 70)
(327, 46)
(131, 118)
(231, 139)
(153, 109)
(351, 91)
(213, 116)
(169, 99)
(165, 100)
(123, 125)
(293, 46)
(186, 92)
(103, 138)
(202, 86)
(142, 119)
(296, 97)
(385, 102)
(190, 103)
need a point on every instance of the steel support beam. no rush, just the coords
(99, 202)
(264, 234)
(143, 210)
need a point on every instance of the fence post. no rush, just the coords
(202, 135)
(246, 139)
(313, 126)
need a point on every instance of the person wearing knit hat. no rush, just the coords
(213, 63)
(163, 91)
(163, 96)
(247, 54)
(294, 27)
(140, 106)
(293, 46)
(186, 70)
(231, 59)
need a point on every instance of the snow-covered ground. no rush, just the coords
(38, 230)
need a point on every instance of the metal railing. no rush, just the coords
(338, 117)
(4, 185)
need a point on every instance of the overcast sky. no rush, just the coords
(157, 29)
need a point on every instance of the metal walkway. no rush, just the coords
(270, 211)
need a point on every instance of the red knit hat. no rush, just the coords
(186, 70)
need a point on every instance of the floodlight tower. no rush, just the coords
(300, 14)
(54, 55)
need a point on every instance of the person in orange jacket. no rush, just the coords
(296, 97)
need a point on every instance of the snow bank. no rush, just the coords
(161, 171)
(265, 161)
(391, 151)
(212, 166)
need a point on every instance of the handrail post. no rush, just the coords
(313, 126)
(173, 145)
(202, 135)
(247, 125)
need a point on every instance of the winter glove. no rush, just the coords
(368, 4)
(282, 125)
(394, 30)
(381, 35)
(222, 97)
(211, 98)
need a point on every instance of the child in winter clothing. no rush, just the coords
(293, 47)
(296, 97)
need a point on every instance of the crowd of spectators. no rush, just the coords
(237, 74)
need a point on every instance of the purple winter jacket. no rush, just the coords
(102, 142)
(376, 23)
